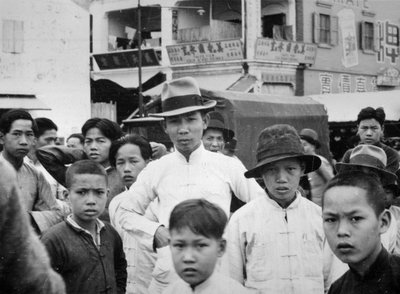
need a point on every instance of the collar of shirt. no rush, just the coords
(294, 204)
(205, 284)
(194, 156)
(99, 226)
(376, 269)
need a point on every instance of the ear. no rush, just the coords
(66, 194)
(221, 247)
(206, 120)
(384, 221)
(302, 168)
(1, 138)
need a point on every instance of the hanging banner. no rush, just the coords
(205, 52)
(347, 27)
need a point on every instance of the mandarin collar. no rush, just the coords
(380, 264)
(294, 204)
(196, 154)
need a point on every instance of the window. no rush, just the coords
(367, 36)
(13, 36)
(325, 29)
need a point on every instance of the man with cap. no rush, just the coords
(188, 172)
(371, 160)
(321, 176)
(216, 134)
(275, 242)
(370, 123)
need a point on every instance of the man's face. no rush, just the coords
(282, 178)
(370, 131)
(213, 140)
(49, 137)
(186, 131)
(87, 196)
(97, 146)
(19, 140)
(308, 148)
(74, 142)
(351, 225)
(194, 255)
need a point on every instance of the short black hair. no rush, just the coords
(200, 216)
(81, 167)
(371, 184)
(78, 136)
(369, 112)
(12, 115)
(109, 129)
(141, 142)
(44, 124)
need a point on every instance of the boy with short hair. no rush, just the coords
(196, 227)
(354, 217)
(85, 251)
(275, 242)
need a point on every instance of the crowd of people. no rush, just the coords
(115, 213)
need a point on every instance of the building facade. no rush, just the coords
(281, 47)
(45, 54)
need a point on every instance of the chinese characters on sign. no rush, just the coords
(345, 83)
(126, 59)
(349, 38)
(389, 77)
(285, 51)
(205, 52)
(388, 35)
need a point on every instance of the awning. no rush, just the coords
(24, 101)
(346, 106)
(244, 84)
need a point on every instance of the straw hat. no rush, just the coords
(281, 142)
(370, 156)
(181, 96)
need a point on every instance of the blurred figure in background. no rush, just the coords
(75, 140)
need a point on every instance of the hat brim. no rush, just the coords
(207, 105)
(312, 163)
(387, 177)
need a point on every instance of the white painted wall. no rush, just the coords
(54, 64)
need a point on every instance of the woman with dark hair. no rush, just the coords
(99, 133)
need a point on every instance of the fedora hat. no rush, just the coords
(217, 122)
(281, 142)
(370, 156)
(181, 96)
(310, 136)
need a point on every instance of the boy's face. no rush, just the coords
(352, 227)
(129, 163)
(282, 178)
(49, 137)
(213, 140)
(87, 196)
(370, 131)
(19, 140)
(186, 130)
(97, 146)
(194, 256)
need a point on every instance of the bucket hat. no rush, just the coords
(370, 156)
(310, 136)
(281, 142)
(217, 122)
(181, 96)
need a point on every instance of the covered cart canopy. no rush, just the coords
(248, 114)
(345, 107)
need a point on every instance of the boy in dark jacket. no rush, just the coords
(85, 251)
(354, 217)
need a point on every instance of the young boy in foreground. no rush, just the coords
(354, 217)
(85, 251)
(196, 227)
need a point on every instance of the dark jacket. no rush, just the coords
(382, 277)
(85, 268)
(24, 264)
(56, 158)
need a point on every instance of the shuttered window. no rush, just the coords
(13, 36)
